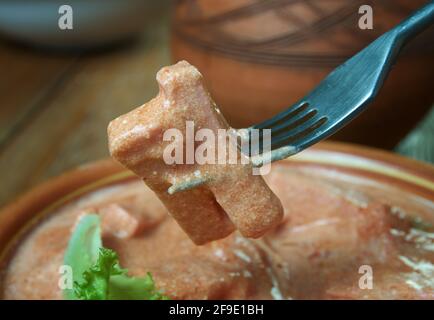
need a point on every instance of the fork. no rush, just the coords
(339, 98)
(345, 92)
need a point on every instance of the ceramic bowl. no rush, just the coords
(95, 22)
(395, 180)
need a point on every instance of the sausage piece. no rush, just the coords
(232, 196)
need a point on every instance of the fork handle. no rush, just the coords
(416, 23)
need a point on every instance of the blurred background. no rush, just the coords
(60, 88)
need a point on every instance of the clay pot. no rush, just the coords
(260, 57)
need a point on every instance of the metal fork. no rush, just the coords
(340, 97)
(345, 93)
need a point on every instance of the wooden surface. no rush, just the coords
(55, 107)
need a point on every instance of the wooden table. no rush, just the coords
(54, 108)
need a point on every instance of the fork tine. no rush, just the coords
(294, 121)
(297, 133)
(313, 137)
(288, 113)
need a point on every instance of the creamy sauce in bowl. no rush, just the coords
(336, 230)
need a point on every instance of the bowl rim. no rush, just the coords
(20, 214)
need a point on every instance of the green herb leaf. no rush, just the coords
(97, 273)
(123, 287)
(95, 284)
(83, 249)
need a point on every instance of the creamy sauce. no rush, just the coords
(329, 231)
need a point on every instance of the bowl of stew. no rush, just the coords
(349, 212)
